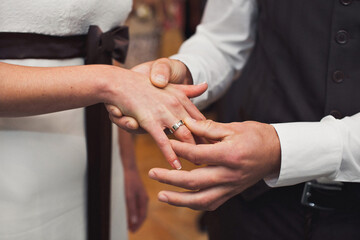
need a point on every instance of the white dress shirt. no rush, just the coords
(328, 150)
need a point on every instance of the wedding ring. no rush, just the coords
(176, 126)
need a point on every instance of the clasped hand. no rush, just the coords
(154, 109)
(234, 157)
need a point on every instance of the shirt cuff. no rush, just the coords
(309, 150)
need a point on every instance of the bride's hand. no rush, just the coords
(154, 109)
(161, 72)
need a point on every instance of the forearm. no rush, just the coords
(127, 150)
(36, 90)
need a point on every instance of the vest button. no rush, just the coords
(336, 114)
(338, 76)
(342, 37)
(346, 2)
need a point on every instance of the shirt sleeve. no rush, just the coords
(328, 150)
(220, 47)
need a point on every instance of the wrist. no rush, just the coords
(107, 82)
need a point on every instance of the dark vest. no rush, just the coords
(305, 64)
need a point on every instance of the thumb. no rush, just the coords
(206, 128)
(192, 91)
(166, 70)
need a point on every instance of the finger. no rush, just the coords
(166, 70)
(184, 135)
(132, 213)
(192, 110)
(207, 199)
(210, 154)
(192, 91)
(208, 128)
(129, 124)
(187, 104)
(181, 133)
(136, 220)
(160, 72)
(113, 110)
(196, 179)
(163, 143)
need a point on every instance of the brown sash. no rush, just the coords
(97, 48)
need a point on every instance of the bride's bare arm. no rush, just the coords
(32, 90)
(36, 90)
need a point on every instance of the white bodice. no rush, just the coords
(61, 17)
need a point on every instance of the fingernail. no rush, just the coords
(129, 125)
(163, 198)
(160, 79)
(177, 164)
(134, 219)
(152, 174)
(114, 112)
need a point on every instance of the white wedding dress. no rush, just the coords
(43, 158)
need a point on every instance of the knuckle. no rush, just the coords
(241, 155)
(211, 207)
(234, 178)
(173, 101)
(163, 60)
(162, 64)
(231, 159)
(146, 118)
(212, 180)
(235, 158)
(208, 124)
(204, 204)
(162, 141)
(187, 135)
(193, 158)
(193, 184)
(181, 96)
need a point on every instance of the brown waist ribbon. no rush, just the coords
(97, 48)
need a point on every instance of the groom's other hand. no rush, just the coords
(240, 155)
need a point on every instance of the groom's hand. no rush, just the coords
(239, 155)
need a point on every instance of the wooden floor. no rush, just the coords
(164, 222)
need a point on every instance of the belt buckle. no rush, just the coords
(312, 186)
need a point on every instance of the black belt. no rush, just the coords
(330, 197)
(97, 48)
